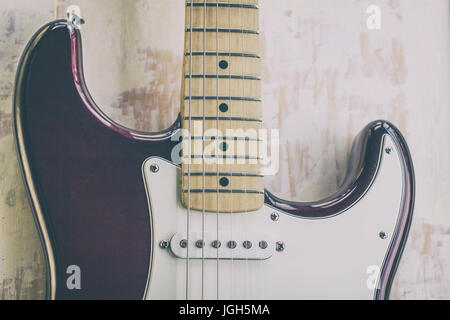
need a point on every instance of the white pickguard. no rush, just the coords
(333, 258)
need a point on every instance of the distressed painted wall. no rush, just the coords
(325, 75)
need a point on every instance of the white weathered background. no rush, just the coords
(325, 76)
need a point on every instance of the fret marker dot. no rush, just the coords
(224, 182)
(223, 107)
(223, 64)
(223, 146)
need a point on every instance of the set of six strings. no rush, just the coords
(216, 142)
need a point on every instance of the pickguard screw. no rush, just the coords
(164, 244)
(232, 244)
(154, 168)
(274, 216)
(383, 235)
(388, 150)
(263, 244)
(183, 243)
(280, 246)
(247, 244)
(216, 244)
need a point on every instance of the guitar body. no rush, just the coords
(100, 204)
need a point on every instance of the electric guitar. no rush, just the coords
(183, 213)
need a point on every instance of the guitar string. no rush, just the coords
(217, 149)
(245, 114)
(260, 152)
(231, 129)
(203, 158)
(189, 151)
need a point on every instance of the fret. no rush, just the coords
(230, 108)
(223, 5)
(221, 30)
(243, 129)
(224, 174)
(202, 2)
(197, 144)
(213, 165)
(234, 18)
(221, 157)
(221, 127)
(224, 191)
(213, 138)
(240, 150)
(222, 98)
(236, 65)
(222, 54)
(220, 76)
(222, 118)
(223, 88)
(232, 42)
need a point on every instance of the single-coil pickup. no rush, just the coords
(225, 246)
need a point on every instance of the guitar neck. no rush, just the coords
(221, 107)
